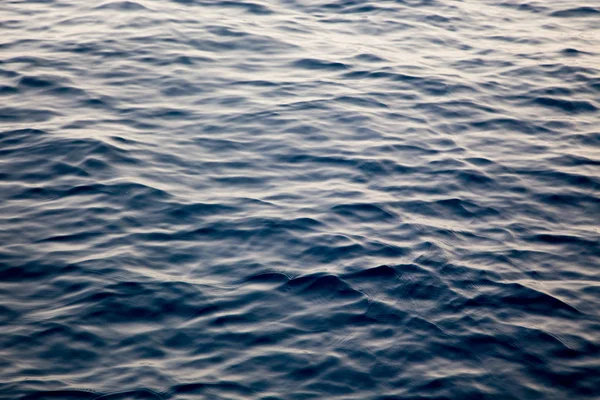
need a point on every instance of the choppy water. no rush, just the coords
(296, 199)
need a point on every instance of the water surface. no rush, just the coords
(298, 199)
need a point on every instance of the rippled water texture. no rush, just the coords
(299, 199)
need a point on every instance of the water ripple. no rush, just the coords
(299, 199)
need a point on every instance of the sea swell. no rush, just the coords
(299, 199)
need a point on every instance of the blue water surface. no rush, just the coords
(299, 199)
